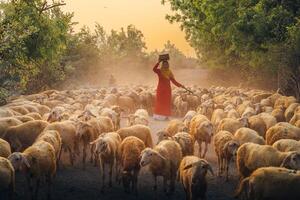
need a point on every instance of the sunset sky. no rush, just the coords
(147, 15)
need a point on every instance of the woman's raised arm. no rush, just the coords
(155, 68)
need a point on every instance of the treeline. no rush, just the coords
(39, 48)
(259, 40)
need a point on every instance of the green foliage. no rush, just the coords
(33, 40)
(253, 36)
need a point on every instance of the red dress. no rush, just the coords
(163, 93)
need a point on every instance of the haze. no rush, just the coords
(147, 15)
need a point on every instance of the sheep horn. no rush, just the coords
(210, 169)
(25, 160)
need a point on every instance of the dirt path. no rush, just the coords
(74, 183)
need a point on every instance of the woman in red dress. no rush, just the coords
(162, 108)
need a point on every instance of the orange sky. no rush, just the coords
(147, 15)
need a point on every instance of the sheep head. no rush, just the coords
(162, 135)
(231, 148)
(200, 169)
(18, 160)
(207, 128)
(292, 161)
(149, 155)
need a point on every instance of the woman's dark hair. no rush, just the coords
(165, 63)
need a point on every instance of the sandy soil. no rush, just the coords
(74, 183)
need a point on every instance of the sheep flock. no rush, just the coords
(235, 142)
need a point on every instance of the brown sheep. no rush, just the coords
(192, 175)
(175, 126)
(268, 119)
(225, 147)
(231, 125)
(252, 156)
(163, 160)
(258, 124)
(244, 135)
(278, 113)
(289, 112)
(217, 116)
(285, 145)
(67, 131)
(6, 122)
(140, 131)
(5, 150)
(106, 147)
(24, 118)
(274, 183)
(53, 138)
(129, 154)
(201, 130)
(35, 115)
(38, 162)
(7, 177)
(282, 130)
(22, 136)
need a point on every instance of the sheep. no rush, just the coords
(67, 132)
(244, 135)
(174, 126)
(163, 160)
(19, 109)
(56, 114)
(119, 111)
(282, 130)
(289, 112)
(232, 113)
(278, 113)
(108, 112)
(87, 132)
(38, 162)
(140, 131)
(35, 115)
(274, 183)
(248, 112)
(5, 150)
(231, 125)
(295, 118)
(192, 174)
(6, 112)
(129, 155)
(7, 177)
(181, 105)
(217, 116)
(285, 145)
(126, 103)
(24, 118)
(268, 119)
(252, 156)
(201, 130)
(53, 138)
(6, 122)
(185, 140)
(188, 117)
(106, 124)
(106, 147)
(225, 147)
(140, 116)
(22, 136)
(257, 124)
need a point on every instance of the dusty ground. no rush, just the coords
(74, 183)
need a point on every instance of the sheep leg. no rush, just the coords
(71, 156)
(58, 158)
(227, 168)
(49, 181)
(37, 188)
(92, 154)
(205, 149)
(219, 165)
(102, 169)
(165, 184)
(84, 154)
(110, 174)
(200, 150)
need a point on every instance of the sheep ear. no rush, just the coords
(188, 166)
(25, 161)
(161, 156)
(286, 161)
